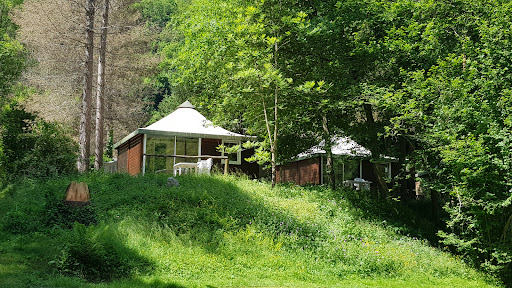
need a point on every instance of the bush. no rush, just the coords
(61, 215)
(20, 221)
(96, 254)
(33, 148)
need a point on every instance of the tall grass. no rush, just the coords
(213, 231)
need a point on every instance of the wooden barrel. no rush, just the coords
(77, 194)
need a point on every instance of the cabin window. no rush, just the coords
(160, 163)
(345, 168)
(159, 146)
(234, 158)
(187, 147)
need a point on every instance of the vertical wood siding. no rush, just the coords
(129, 157)
(301, 172)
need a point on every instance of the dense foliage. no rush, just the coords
(452, 103)
(427, 82)
(33, 148)
(12, 55)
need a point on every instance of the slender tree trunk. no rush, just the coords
(403, 187)
(329, 167)
(436, 207)
(98, 153)
(271, 140)
(108, 113)
(505, 229)
(85, 117)
(274, 149)
(381, 182)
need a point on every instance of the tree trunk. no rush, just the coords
(273, 138)
(329, 167)
(436, 207)
(98, 153)
(274, 149)
(383, 186)
(273, 172)
(85, 117)
(404, 192)
(381, 182)
(110, 143)
(108, 113)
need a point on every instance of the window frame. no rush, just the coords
(238, 160)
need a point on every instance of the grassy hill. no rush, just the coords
(213, 232)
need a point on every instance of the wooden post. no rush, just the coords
(226, 166)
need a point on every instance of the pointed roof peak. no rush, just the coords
(187, 104)
(188, 123)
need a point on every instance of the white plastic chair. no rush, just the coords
(204, 166)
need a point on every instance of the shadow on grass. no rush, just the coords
(201, 206)
(42, 238)
(200, 211)
(137, 283)
(23, 259)
(412, 218)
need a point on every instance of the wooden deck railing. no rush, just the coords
(226, 163)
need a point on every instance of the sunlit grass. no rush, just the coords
(226, 231)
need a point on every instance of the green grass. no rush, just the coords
(211, 232)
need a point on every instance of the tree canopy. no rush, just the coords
(427, 82)
(12, 54)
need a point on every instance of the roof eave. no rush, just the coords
(128, 137)
(183, 134)
(196, 135)
(321, 153)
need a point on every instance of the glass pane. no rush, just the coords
(188, 147)
(159, 146)
(350, 172)
(234, 158)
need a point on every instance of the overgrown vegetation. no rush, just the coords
(32, 148)
(214, 231)
(426, 82)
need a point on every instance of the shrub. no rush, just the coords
(20, 221)
(57, 214)
(95, 254)
(65, 216)
(33, 148)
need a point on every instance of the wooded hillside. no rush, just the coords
(425, 82)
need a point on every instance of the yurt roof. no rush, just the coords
(186, 122)
(342, 146)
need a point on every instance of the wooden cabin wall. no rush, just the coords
(122, 158)
(129, 157)
(306, 171)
